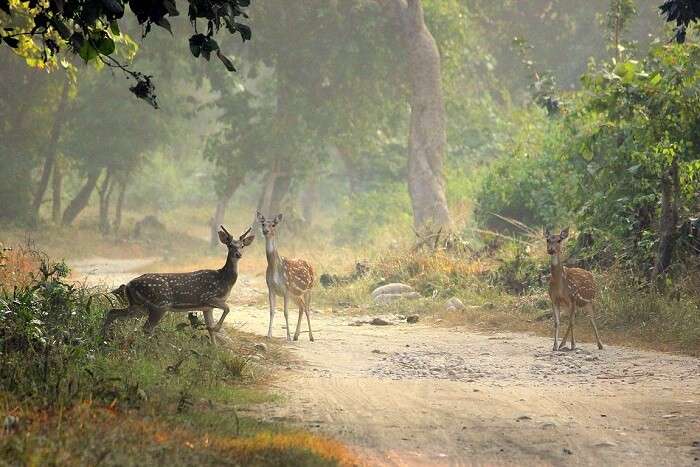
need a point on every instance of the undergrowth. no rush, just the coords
(506, 288)
(69, 397)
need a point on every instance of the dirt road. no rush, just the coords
(424, 395)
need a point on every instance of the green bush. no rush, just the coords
(365, 214)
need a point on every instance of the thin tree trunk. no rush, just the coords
(232, 184)
(351, 173)
(50, 150)
(266, 195)
(105, 191)
(279, 193)
(116, 225)
(670, 185)
(82, 198)
(57, 181)
(309, 200)
(427, 137)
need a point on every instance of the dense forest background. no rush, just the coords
(428, 143)
(556, 112)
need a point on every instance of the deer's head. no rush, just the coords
(268, 226)
(554, 241)
(235, 246)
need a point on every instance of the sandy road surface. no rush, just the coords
(424, 395)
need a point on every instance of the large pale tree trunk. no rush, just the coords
(427, 137)
(51, 150)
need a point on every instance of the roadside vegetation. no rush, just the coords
(69, 397)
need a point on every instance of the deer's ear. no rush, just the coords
(248, 240)
(259, 216)
(224, 237)
(278, 218)
(545, 232)
(564, 233)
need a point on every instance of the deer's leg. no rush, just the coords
(209, 321)
(591, 312)
(301, 314)
(225, 309)
(272, 298)
(307, 308)
(154, 317)
(566, 336)
(555, 309)
(572, 321)
(286, 313)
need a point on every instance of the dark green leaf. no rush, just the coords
(165, 24)
(61, 28)
(114, 27)
(11, 41)
(114, 7)
(245, 31)
(226, 61)
(105, 45)
(87, 52)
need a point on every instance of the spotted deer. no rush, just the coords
(286, 278)
(570, 289)
(156, 294)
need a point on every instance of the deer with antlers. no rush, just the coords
(569, 288)
(155, 294)
(287, 278)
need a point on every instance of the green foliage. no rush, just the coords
(48, 332)
(365, 214)
(527, 184)
(518, 272)
(604, 162)
(91, 29)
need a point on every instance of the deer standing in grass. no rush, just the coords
(569, 288)
(287, 278)
(155, 294)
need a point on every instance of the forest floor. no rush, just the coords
(425, 394)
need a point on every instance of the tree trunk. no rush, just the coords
(82, 198)
(309, 199)
(57, 181)
(427, 136)
(232, 184)
(266, 195)
(116, 225)
(50, 150)
(105, 192)
(670, 186)
(279, 193)
(345, 155)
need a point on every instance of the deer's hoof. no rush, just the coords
(311, 338)
(296, 338)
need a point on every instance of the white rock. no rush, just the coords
(392, 289)
(384, 299)
(454, 304)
